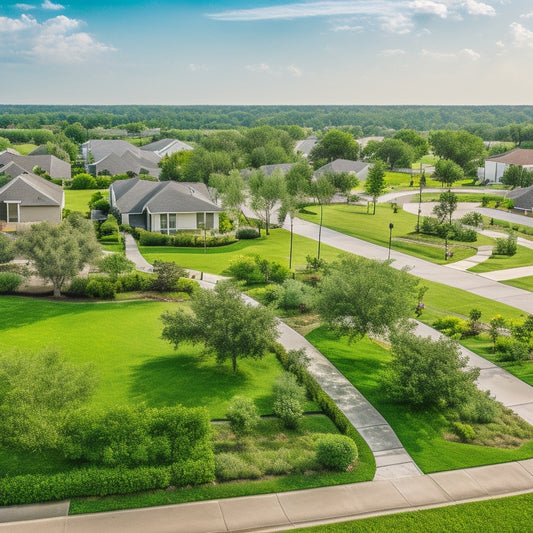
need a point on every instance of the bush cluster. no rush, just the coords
(510, 349)
(9, 282)
(472, 219)
(188, 240)
(289, 399)
(455, 231)
(255, 269)
(506, 246)
(293, 294)
(465, 432)
(242, 415)
(247, 233)
(336, 452)
(453, 327)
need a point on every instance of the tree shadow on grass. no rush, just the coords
(188, 380)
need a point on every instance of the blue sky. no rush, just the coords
(267, 52)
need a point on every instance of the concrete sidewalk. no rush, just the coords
(288, 510)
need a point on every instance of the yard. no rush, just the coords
(78, 200)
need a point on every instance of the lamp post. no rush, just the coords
(391, 225)
(422, 184)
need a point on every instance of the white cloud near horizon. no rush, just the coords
(295, 71)
(25, 7)
(51, 6)
(521, 35)
(471, 54)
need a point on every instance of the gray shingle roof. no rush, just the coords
(56, 167)
(523, 197)
(269, 169)
(175, 145)
(135, 195)
(12, 169)
(342, 165)
(32, 190)
(306, 145)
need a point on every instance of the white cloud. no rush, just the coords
(295, 71)
(51, 6)
(527, 15)
(25, 7)
(55, 40)
(347, 27)
(468, 52)
(260, 67)
(479, 8)
(522, 36)
(197, 68)
(399, 24)
(392, 52)
(8, 25)
(429, 7)
(500, 44)
(439, 56)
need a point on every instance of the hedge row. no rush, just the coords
(34, 488)
(148, 238)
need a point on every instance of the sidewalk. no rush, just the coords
(287, 510)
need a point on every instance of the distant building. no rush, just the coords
(359, 168)
(55, 167)
(166, 147)
(165, 206)
(523, 198)
(496, 165)
(305, 146)
(270, 169)
(30, 198)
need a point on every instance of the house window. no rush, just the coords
(172, 222)
(209, 220)
(168, 223)
(164, 222)
(199, 220)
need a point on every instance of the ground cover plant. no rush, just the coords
(420, 431)
(353, 221)
(492, 516)
(275, 247)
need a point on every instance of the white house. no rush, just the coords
(496, 165)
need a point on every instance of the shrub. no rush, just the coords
(183, 239)
(229, 466)
(465, 432)
(148, 238)
(245, 268)
(452, 326)
(186, 285)
(294, 295)
(289, 398)
(102, 288)
(247, 233)
(509, 349)
(78, 287)
(110, 226)
(9, 282)
(7, 249)
(336, 452)
(167, 275)
(83, 181)
(472, 219)
(277, 272)
(242, 415)
(506, 246)
(103, 182)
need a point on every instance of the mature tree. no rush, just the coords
(76, 132)
(4, 143)
(265, 145)
(7, 249)
(335, 144)
(517, 176)
(173, 166)
(415, 140)
(266, 191)
(396, 153)
(203, 163)
(228, 327)
(360, 296)
(58, 253)
(323, 191)
(298, 179)
(343, 182)
(448, 172)
(461, 147)
(115, 265)
(375, 182)
(231, 191)
(428, 373)
(446, 207)
(368, 153)
(37, 391)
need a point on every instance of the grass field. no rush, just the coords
(24, 149)
(521, 283)
(502, 515)
(354, 221)
(78, 200)
(523, 257)
(421, 432)
(274, 247)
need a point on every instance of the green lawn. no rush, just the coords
(354, 221)
(521, 283)
(421, 432)
(78, 200)
(399, 180)
(24, 149)
(523, 257)
(274, 247)
(511, 514)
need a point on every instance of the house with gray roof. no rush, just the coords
(166, 147)
(523, 198)
(165, 206)
(496, 165)
(269, 169)
(55, 167)
(359, 168)
(305, 146)
(30, 198)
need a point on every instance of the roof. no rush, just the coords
(518, 156)
(342, 165)
(57, 168)
(13, 170)
(269, 169)
(363, 141)
(135, 195)
(523, 197)
(163, 145)
(32, 190)
(306, 145)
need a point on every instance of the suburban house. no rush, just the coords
(55, 167)
(164, 206)
(305, 146)
(523, 199)
(166, 147)
(359, 168)
(119, 157)
(269, 169)
(30, 198)
(496, 165)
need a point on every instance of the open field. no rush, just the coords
(523, 257)
(77, 200)
(24, 149)
(421, 432)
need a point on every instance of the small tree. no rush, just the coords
(448, 172)
(221, 321)
(496, 324)
(167, 275)
(446, 207)
(243, 416)
(289, 399)
(266, 191)
(323, 190)
(375, 182)
(115, 265)
(474, 315)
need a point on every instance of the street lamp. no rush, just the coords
(391, 225)
(422, 184)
